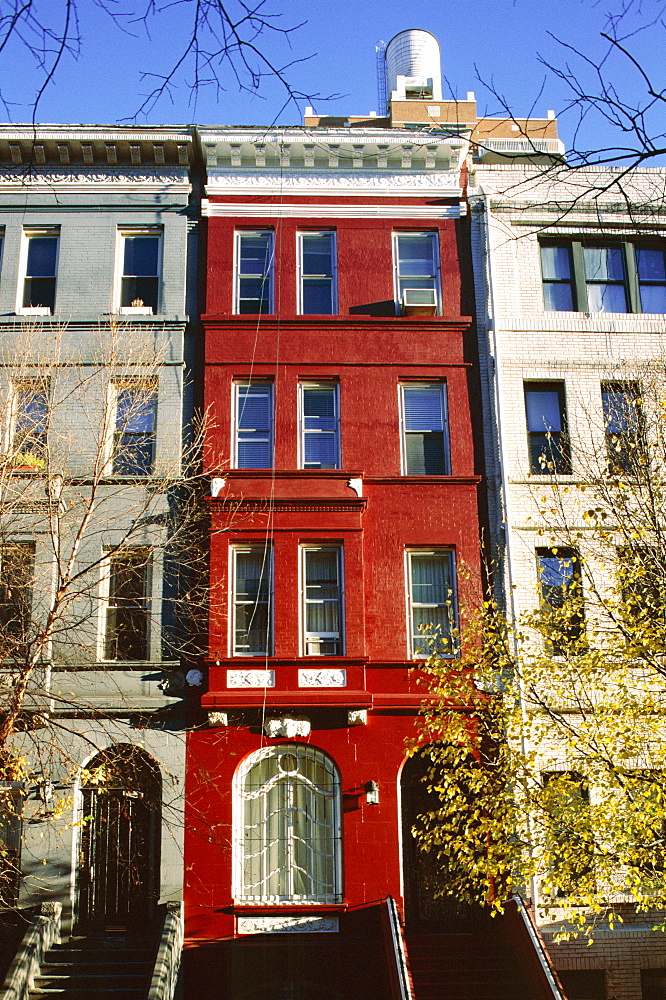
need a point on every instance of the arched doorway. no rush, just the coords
(424, 874)
(119, 848)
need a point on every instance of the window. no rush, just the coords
(30, 414)
(603, 277)
(584, 984)
(322, 600)
(319, 425)
(646, 823)
(134, 433)
(140, 282)
(562, 596)
(251, 601)
(254, 272)
(651, 271)
(317, 273)
(558, 279)
(566, 803)
(17, 566)
(432, 603)
(624, 427)
(125, 630)
(643, 592)
(416, 257)
(254, 425)
(41, 268)
(11, 836)
(425, 444)
(288, 833)
(547, 437)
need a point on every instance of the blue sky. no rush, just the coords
(498, 42)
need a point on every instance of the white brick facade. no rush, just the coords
(511, 209)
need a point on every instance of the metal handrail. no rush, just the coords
(539, 948)
(399, 950)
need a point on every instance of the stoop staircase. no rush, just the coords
(114, 966)
(473, 966)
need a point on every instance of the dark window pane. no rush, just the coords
(39, 293)
(547, 437)
(30, 432)
(650, 264)
(603, 263)
(140, 292)
(425, 454)
(606, 298)
(126, 634)
(561, 590)
(141, 256)
(317, 252)
(42, 256)
(653, 298)
(134, 437)
(254, 418)
(623, 427)
(558, 297)
(317, 296)
(555, 262)
(255, 254)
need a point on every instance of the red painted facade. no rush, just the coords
(369, 355)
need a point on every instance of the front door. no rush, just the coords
(118, 874)
(424, 875)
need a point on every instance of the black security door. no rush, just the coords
(118, 876)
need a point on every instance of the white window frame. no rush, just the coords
(318, 384)
(334, 268)
(411, 633)
(241, 383)
(426, 384)
(239, 892)
(123, 232)
(234, 551)
(115, 387)
(17, 386)
(105, 593)
(238, 235)
(26, 235)
(306, 547)
(434, 236)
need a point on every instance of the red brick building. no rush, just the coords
(339, 381)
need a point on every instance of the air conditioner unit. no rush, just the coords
(419, 302)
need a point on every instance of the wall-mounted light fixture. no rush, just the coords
(372, 793)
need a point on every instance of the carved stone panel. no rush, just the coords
(331, 678)
(288, 925)
(250, 678)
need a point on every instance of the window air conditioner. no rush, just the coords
(419, 302)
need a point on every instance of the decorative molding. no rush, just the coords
(218, 719)
(328, 678)
(300, 211)
(32, 178)
(356, 485)
(217, 484)
(320, 181)
(288, 727)
(357, 717)
(250, 678)
(288, 925)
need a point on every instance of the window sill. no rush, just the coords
(34, 311)
(270, 909)
(136, 311)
